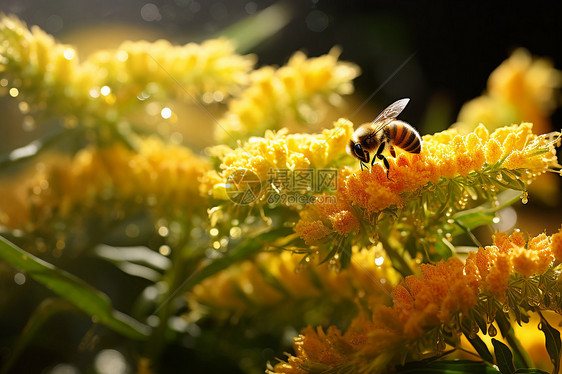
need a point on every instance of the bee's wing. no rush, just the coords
(390, 113)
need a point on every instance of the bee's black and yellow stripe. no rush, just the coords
(404, 136)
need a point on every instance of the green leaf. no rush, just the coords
(520, 355)
(141, 262)
(76, 291)
(504, 357)
(41, 314)
(242, 251)
(33, 149)
(480, 347)
(530, 371)
(552, 342)
(448, 367)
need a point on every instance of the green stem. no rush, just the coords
(521, 357)
(397, 260)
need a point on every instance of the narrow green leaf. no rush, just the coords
(520, 356)
(245, 249)
(138, 255)
(33, 149)
(552, 342)
(269, 21)
(480, 347)
(76, 291)
(140, 262)
(41, 314)
(504, 357)
(447, 367)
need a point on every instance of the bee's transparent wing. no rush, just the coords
(390, 113)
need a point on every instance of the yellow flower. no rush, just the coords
(272, 278)
(521, 89)
(422, 308)
(161, 177)
(557, 246)
(211, 70)
(278, 151)
(294, 92)
(110, 84)
(372, 343)
(445, 156)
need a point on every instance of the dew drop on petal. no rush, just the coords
(525, 197)
(492, 331)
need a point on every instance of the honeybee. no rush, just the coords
(384, 133)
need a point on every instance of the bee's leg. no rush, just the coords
(378, 154)
(386, 164)
(363, 166)
(392, 151)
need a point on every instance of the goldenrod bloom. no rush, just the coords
(294, 92)
(479, 158)
(272, 278)
(109, 84)
(521, 89)
(278, 151)
(161, 177)
(446, 291)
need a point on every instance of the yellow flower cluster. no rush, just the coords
(372, 343)
(272, 278)
(294, 92)
(211, 68)
(278, 151)
(35, 68)
(445, 155)
(159, 176)
(521, 89)
(493, 266)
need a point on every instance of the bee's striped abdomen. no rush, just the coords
(404, 136)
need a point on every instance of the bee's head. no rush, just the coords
(356, 150)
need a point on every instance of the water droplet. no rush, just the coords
(23, 107)
(105, 90)
(235, 232)
(165, 250)
(28, 123)
(496, 219)
(492, 331)
(505, 308)
(132, 230)
(14, 92)
(163, 231)
(19, 278)
(150, 12)
(334, 265)
(525, 197)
